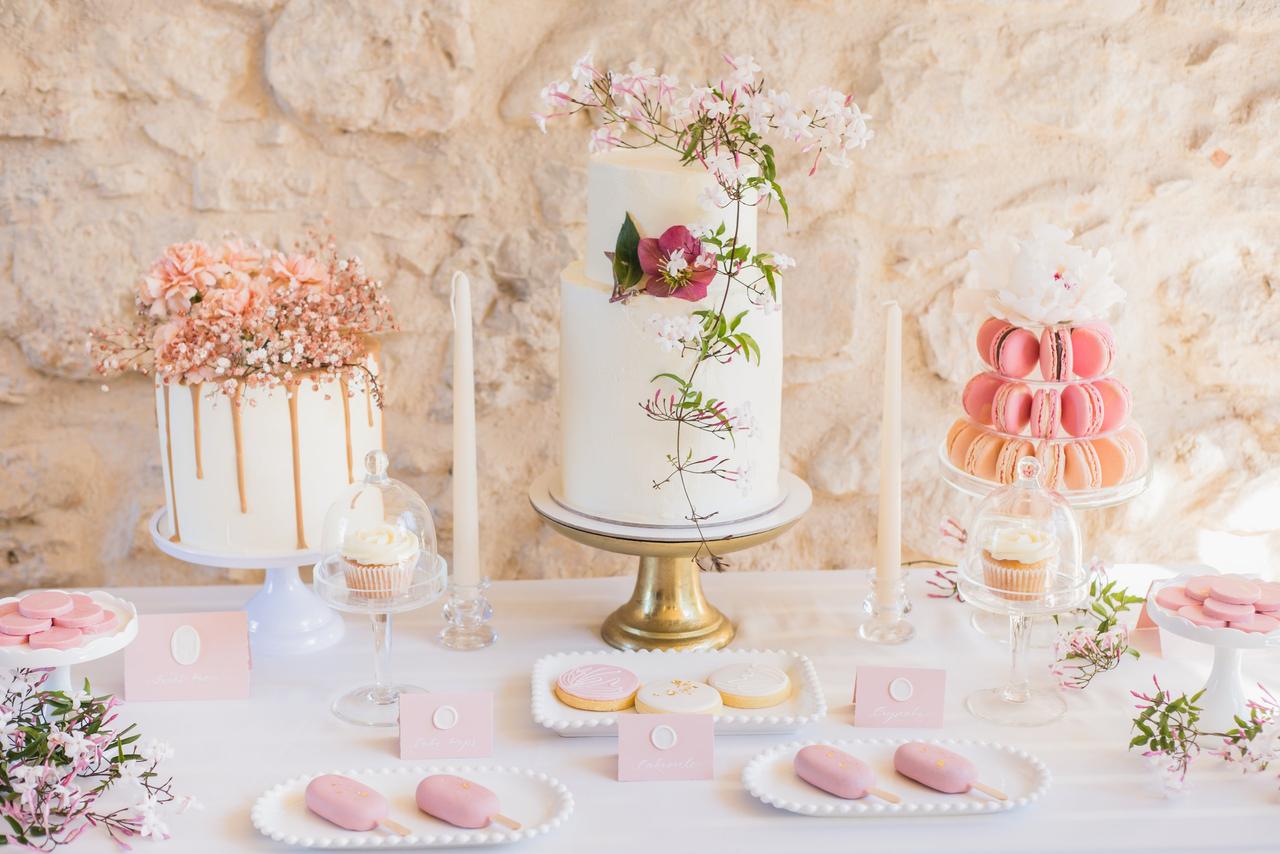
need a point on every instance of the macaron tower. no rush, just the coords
(1047, 384)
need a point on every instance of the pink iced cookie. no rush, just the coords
(597, 687)
(837, 772)
(1173, 598)
(16, 624)
(460, 802)
(56, 638)
(1260, 623)
(12, 640)
(45, 605)
(80, 616)
(1198, 587)
(106, 623)
(81, 599)
(9, 608)
(345, 802)
(1196, 614)
(1270, 598)
(1234, 589)
(1228, 611)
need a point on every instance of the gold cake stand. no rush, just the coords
(668, 609)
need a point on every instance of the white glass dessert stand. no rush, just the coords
(285, 616)
(993, 626)
(1225, 694)
(668, 609)
(95, 647)
(378, 704)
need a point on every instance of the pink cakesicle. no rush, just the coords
(16, 624)
(838, 773)
(45, 605)
(1196, 614)
(1198, 587)
(106, 623)
(349, 804)
(1173, 598)
(460, 802)
(56, 638)
(80, 616)
(12, 640)
(940, 769)
(1234, 589)
(1270, 598)
(1260, 623)
(1228, 611)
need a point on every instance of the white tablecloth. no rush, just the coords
(1102, 798)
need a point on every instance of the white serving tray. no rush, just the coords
(99, 646)
(805, 704)
(771, 777)
(539, 802)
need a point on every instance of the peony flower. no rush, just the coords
(1044, 280)
(673, 265)
(185, 270)
(300, 270)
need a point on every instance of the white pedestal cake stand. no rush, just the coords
(1225, 694)
(61, 660)
(668, 609)
(285, 617)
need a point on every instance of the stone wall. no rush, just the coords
(1151, 128)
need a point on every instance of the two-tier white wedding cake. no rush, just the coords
(612, 455)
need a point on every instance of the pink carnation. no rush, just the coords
(299, 270)
(674, 265)
(185, 270)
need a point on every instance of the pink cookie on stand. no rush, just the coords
(977, 396)
(9, 608)
(1014, 352)
(1173, 598)
(106, 623)
(45, 605)
(1093, 349)
(12, 640)
(1269, 600)
(1196, 614)
(1229, 611)
(1235, 590)
(16, 624)
(1258, 624)
(1055, 354)
(1198, 587)
(80, 616)
(56, 638)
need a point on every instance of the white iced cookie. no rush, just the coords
(678, 697)
(751, 686)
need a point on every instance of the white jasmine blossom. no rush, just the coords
(743, 419)
(713, 197)
(782, 262)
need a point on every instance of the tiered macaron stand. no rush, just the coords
(62, 660)
(285, 616)
(1225, 694)
(668, 609)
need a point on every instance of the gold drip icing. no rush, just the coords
(195, 428)
(239, 439)
(168, 452)
(346, 422)
(297, 463)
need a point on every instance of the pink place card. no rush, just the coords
(446, 725)
(666, 747)
(1145, 636)
(201, 656)
(898, 696)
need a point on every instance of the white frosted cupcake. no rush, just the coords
(1016, 561)
(380, 560)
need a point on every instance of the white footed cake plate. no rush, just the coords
(805, 704)
(94, 647)
(539, 802)
(771, 777)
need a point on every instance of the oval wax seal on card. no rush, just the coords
(901, 689)
(445, 717)
(663, 737)
(184, 645)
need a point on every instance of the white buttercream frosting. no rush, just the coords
(1023, 544)
(381, 545)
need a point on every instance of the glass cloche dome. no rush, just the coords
(1023, 552)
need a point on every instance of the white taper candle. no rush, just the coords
(889, 530)
(466, 500)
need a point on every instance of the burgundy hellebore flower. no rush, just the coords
(673, 265)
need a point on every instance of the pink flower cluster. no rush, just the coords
(240, 312)
(654, 106)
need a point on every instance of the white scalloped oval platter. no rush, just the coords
(539, 802)
(771, 777)
(805, 704)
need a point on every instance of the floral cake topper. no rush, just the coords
(1040, 281)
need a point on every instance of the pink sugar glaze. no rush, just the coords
(598, 682)
(1235, 590)
(44, 605)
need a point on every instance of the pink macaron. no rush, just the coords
(1081, 409)
(1055, 353)
(978, 395)
(1082, 469)
(1011, 407)
(1117, 403)
(1226, 610)
(1196, 614)
(1173, 598)
(959, 438)
(57, 637)
(1259, 623)
(986, 334)
(45, 605)
(982, 456)
(1235, 590)
(1116, 457)
(1014, 352)
(1011, 453)
(1053, 464)
(1046, 413)
(1093, 349)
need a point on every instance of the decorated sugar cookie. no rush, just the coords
(678, 697)
(597, 687)
(747, 685)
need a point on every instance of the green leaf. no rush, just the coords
(782, 201)
(679, 381)
(626, 255)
